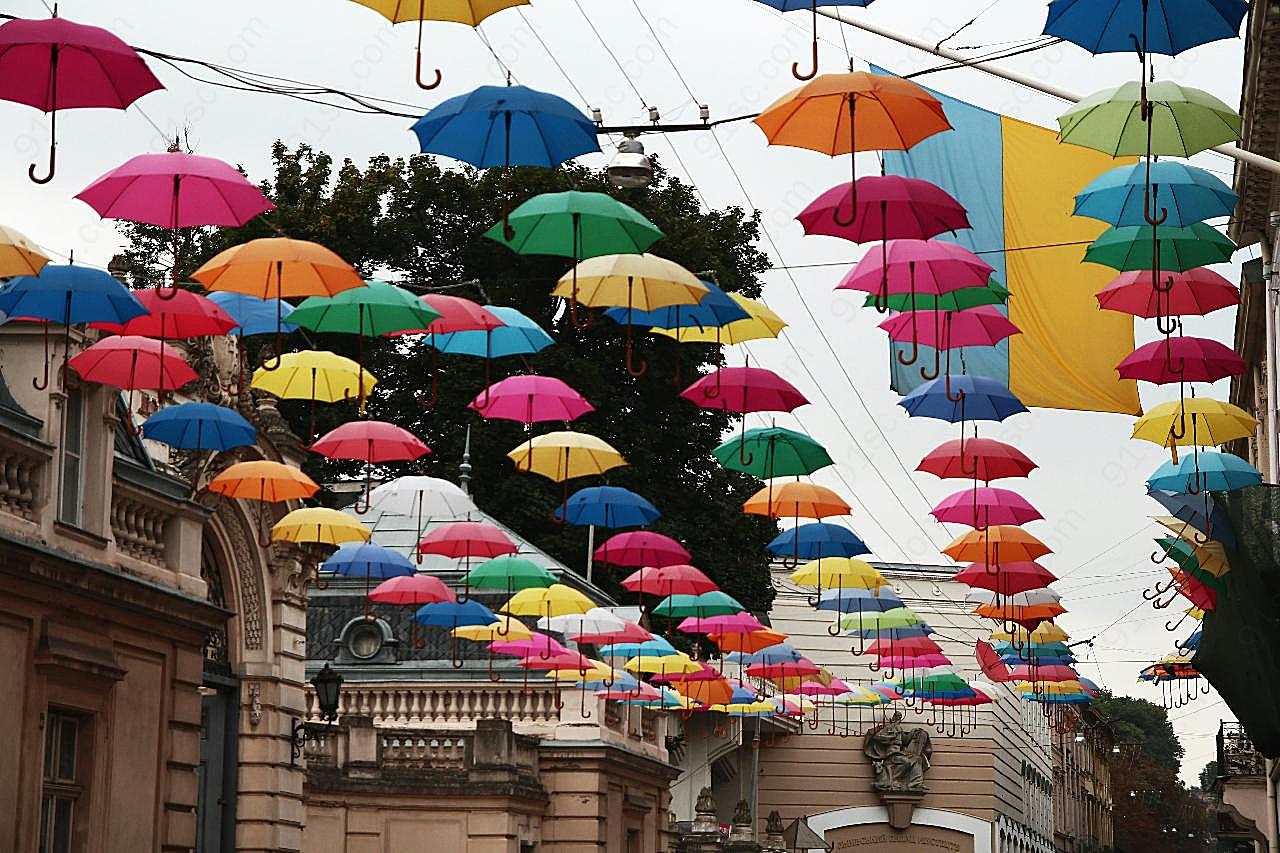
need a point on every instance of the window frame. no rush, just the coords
(55, 787)
(71, 487)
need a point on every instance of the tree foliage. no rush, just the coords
(418, 224)
(1145, 724)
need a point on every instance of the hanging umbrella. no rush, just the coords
(995, 546)
(983, 459)
(454, 615)
(796, 500)
(531, 399)
(984, 326)
(890, 207)
(507, 628)
(563, 456)
(370, 442)
(711, 603)
(252, 315)
(838, 573)
(509, 573)
(182, 315)
(456, 315)
(314, 375)
(607, 506)
(1007, 578)
(984, 505)
(517, 335)
(761, 323)
(642, 548)
(1166, 27)
(319, 525)
(637, 282)
(688, 323)
(1199, 421)
(263, 481)
(469, 12)
(56, 64)
(133, 363)
(653, 647)
(680, 579)
(812, 7)
(817, 540)
(1196, 291)
(1207, 470)
(853, 599)
(823, 116)
(744, 390)
(976, 399)
(1123, 195)
(1203, 515)
(67, 294)
(746, 642)
(411, 590)
(200, 427)
(299, 267)
(507, 126)
(18, 254)
(1180, 249)
(424, 497)
(597, 621)
(1184, 121)
(915, 268)
(175, 190)
(630, 632)
(956, 300)
(774, 452)
(462, 540)
(1181, 359)
(367, 560)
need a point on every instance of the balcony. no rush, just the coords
(1236, 754)
(417, 705)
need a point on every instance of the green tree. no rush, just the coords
(418, 224)
(1145, 725)
(1209, 776)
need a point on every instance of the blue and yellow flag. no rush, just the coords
(1018, 184)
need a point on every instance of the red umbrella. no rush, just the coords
(743, 390)
(630, 633)
(1197, 291)
(130, 362)
(890, 207)
(681, 579)
(1007, 578)
(641, 548)
(183, 315)
(982, 458)
(462, 540)
(1194, 591)
(55, 64)
(903, 646)
(412, 590)
(983, 505)
(370, 442)
(456, 315)
(990, 663)
(1181, 359)
(529, 400)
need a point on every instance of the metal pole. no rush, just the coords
(1247, 157)
(591, 550)
(1270, 281)
(755, 781)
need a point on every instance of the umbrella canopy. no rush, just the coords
(1125, 195)
(816, 540)
(1181, 359)
(773, 452)
(454, 614)
(714, 310)
(839, 573)
(554, 600)
(1184, 121)
(642, 548)
(890, 207)
(1196, 291)
(1167, 27)
(131, 363)
(19, 255)
(518, 335)
(1024, 598)
(466, 539)
(529, 399)
(279, 267)
(681, 579)
(370, 441)
(253, 315)
(596, 621)
(980, 400)
(746, 641)
(561, 456)
(984, 326)
(507, 628)
(374, 310)
(56, 64)
(955, 300)
(1199, 420)
(175, 190)
(508, 572)
(69, 294)
(931, 267)
(183, 314)
(506, 126)
(996, 545)
(1129, 247)
(412, 589)
(425, 497)
(1006, 578)
(760, 323)
(1191, 510)
(744, 389)
(458, 315)
(202, 426)
(739, 623)
(608, 506)
(1206, 470)
(796, 500)
(263, 480)
(652, 647)
(872, 621)
(367, 560)
(319, 525)
(576, 225)
(851, 599)
(315, 375)
(982, 458)
(712, 603)
(984, 505)
(630, 632)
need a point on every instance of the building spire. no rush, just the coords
(464, 470)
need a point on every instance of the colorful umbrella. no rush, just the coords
(1181, 359)
(183, 314)
(1180, 249)
(454, 615)
(642, 548)
(838, 573)
(1197, 291)
(462, 540)
(744, 389)
(890, 207)
(1203, 515)
(19, 255)
(851, 599)
(469, 12)
(914, 267)
(531, 399)
(517, 335)
(796, 500)
(760, 323)
(711, 603)
(983, 459)
(816, 540)
(130, 362)
(1207, 470)
(424, 497)
(1006, 578)
(263, 480)
(982, 506)
(253, 315)
(1211, 422)
(1184, 121)
(975, 399)
(774, 452)
(508, 573)
(56, 64)
(319, 525)
(687, 323)
(1166, 27)
(563, 456)
(984, 326)
(200, 426)
(956, 300)
(370, 442)
(607, 506)
(456, 314)
(1130, 195)
(996, 545)
(314, 375)
(367, 560)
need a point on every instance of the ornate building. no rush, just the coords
(1083, 749)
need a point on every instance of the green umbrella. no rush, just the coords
(714, 603)
(873, 620)
(773, 452)
(1181, 249)
(957, 300)
(576, 225)
(373, 311)
(1182, 553)
(509, 573)
(1185, 121)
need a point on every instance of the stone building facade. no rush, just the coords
(1083, 750)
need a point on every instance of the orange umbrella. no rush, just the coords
(264, 481)
(749, 642)
(714, 691)
(1020, 612)
(276, 267)
(796, 500)
(998, 543)
(858, 111)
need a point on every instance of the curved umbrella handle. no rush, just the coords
(53, 131)
(956, 398)
(632, 369)
(853, 203)
(41, 384)
(1148, 211)
(457, 662)
(795, 66)
(418, 65)
(937, 367)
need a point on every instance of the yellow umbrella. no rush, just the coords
(470, 12)
(1198, 421)
(761, 324)
(1049, 687)
(315, 375)
(554, 600)
(761, 707)
(506, 629)
(1209, 552)
(839, 573)
(320, 526)
(18, 254)
(641, 282)
(562, 456)
(666, 664)
(1045, 632)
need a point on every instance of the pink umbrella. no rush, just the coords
(890, 207)
(984, 326)
(729, 623)
(1182, 359)
(370, 442)
(913, 661)
(462, 540)
(743, 390)
(1197, 291)
(55, 64)
(456, 315)
(175, 190)
(681, 579)
(529, 400)
(1048, 672)
(641, 548)
(993, 505)
(412, 590)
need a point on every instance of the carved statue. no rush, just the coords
(899, 756)
(773, 825)
(706, 803)
(742, 814)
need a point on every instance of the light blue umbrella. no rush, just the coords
(1205, 470)
(1181, 192)
(255, 316)
(520, 336)
(200, 426)
(655, 648)
(1191, 509)
(853, 600)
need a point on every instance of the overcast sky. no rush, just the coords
(735, 56)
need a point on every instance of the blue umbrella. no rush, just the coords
(455, 614)
(812, 7)
(200, 426)
(366, 560)
(68, 294)
(607, 506)
(854, 600)
(818, 540)
(712, 311)
(520, 336)
(921, 630)
(777, 653)
(255, 316)
(655, 648)
(1204, 470)
(1166, 27)
(979, 400)
(1192, 643)
(1191, 509)
(1184, 193)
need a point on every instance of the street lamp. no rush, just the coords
(327, 683)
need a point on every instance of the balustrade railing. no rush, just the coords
(406, 749)
(21, 471)
(138, 521)
(421, 704)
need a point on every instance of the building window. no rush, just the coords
(64, 738)
(69, 495)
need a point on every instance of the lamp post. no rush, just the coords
(327, 683)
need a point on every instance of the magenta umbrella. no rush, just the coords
(889, 207)
(1182, 359)
(55, 64)
(642, 548)
(729, 623)
(743, 390)
(531, 399)
(990, 504)
(175, 190)
(983, 326)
